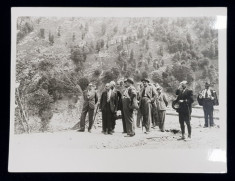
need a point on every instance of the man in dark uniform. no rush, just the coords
(147, 97)
(107, 114)
(113, 103)
(127, 100)
(185, 99)
(208, 98)
(90, 99)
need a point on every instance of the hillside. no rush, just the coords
(57, 57)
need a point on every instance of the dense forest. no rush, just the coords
(57, 57)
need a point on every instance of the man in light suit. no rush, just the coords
(161, 105)
(90, 99)
(208, 98)
(147, 97)
(185, 99)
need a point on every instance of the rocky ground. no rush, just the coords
(208, 138)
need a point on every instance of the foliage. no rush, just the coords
(157, 77)
(83, 82)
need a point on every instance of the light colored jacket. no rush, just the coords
(161, 102)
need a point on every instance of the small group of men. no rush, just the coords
(150, 103)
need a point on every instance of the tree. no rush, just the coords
(157, 77)
(83, 83)
(51, 38)
(42, 33)
(144, 75)
(58, 32)
(73, 37)
(108, 76)
(103, 29)
(176, 57)
(115, 29)
(182, 72)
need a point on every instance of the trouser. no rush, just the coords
(113, 121)
(146, 108)
(155, 116)
(139, 118)
(123, 121)
(107, 117)
(161, 114)
(208, 113)
(90, 112)
(185, 118)
(128, 116)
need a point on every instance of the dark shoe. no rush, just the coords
(81, 130)
(133, 134)
(110, 133)
(105, 132)
(124, 132)
(147, 132)
(181, 138)
(162, 130)
(205, 126)
(89, 130)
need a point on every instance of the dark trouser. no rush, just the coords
(107, 117)
(83, 117)
(146, 108)
(208, 112)
(139, 118)
(123, 121)
(185, 118)
(113, 121)
(128, 116)
(161, 114)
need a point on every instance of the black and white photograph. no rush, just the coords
(118, 90)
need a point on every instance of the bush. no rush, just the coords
(83, 82)
(157, 77)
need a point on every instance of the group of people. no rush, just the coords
(121, 99)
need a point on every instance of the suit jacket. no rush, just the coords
(92, 100)
(187, 97)
(161, 102)
(114, 101)
(207, 102)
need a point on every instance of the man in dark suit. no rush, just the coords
(208, 98)
(185, 99)
(113, 103)
(147, 97)
(107, 110)
(90, 99)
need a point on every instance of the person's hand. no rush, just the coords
(181, 101)
(212, 98)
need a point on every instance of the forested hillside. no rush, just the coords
(57, 57)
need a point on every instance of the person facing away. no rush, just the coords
(106, 109)
(161, 105)
(120, 90)
(90, 99)
(185, 99)
(127, 100)
(147, 97)
(208, 98)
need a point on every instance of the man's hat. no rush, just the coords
(207, 84)
(130, 80)
(184, 82)
(145, 80)
(112, 83)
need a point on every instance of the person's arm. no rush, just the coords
(101, 101)
(165, 100)
(190, 97)
(96, 97)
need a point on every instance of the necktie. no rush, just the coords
(143, 93)
(206, 94)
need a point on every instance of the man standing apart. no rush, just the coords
(90, 99)
(105, 107)
(208, 98)
(147, 97)
(185, 99)
(127, 100)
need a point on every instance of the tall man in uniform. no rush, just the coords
(185, 100)
(147, 97)
(208, 98)
(127, 100)
(90, 99)
(113, 103)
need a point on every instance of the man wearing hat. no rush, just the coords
(113, 103)
(208, 98)
(185, 100)
(107, 110)
(90, 99)
(127, 102)
(147, 97)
